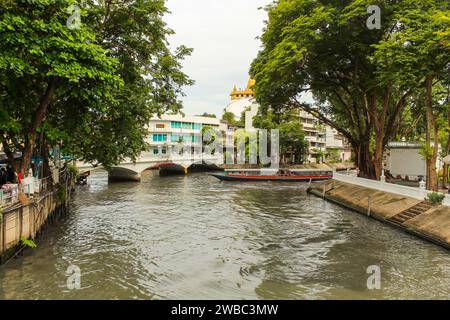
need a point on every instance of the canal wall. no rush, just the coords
(26, 221)
(407, 212)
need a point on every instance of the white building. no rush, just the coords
(336, 143)
(404, 159)
(241, 100)
(168, 131)
(322, 139)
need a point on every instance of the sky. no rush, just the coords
(223, 35)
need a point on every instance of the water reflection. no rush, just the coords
(194, 237)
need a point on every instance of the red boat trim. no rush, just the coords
(278, 177)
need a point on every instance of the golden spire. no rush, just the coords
(251, 82)
(247, 93)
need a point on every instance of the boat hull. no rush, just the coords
(244, 178)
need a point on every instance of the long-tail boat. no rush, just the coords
(282, 175)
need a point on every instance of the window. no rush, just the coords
(195, 138)
(159, 137)
(164, 151)
(155, 150)
(196, 126)
(187, 125)
(175, 125)
(175, 138)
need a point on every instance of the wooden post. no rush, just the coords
(20, 223)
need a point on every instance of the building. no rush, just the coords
(315, 134)
(168, 131)
(337, 146)
(324, 142)
(241, 100)
(403, 160)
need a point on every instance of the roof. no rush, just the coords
(404, 145)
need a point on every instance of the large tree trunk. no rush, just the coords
(379, 118)
(363, 159)
(432, 177)
(446, 153)
(378, 155)
(38, 118)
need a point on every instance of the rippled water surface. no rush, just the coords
(193, 237)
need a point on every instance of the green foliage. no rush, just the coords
(319, 154)
(426, 152)
(28, 242)
(209, 134)
(435, 197)
(229, 118)
(333, 156)
(73, 170)
(208, 115)
(74, 173)
(362, 81)
(110, 76)
(292, 137)
(61, 194)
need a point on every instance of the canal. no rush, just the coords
(193, 237)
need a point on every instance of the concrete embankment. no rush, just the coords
(25, 221)
(431, 222)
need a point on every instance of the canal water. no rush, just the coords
(193, 237)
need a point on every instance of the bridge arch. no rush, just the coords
(131, 171)
(118, 174)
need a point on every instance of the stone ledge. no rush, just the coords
(433, 225)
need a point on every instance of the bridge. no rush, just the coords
(131, 171)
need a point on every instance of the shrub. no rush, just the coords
(62, 194)
(435, 197)
(74, 173)
(28, 242)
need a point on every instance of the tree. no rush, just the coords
(135, 34)
(415, 57)
(324, 48)
(292, 137)
(43, 60)
(229, 117)
(208, 115)
(105, 80)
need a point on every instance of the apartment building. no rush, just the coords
(168, 131)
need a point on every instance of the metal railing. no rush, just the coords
(9, 193)
(416, 193)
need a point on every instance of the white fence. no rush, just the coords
(416, 193)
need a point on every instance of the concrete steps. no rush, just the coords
(411, 213)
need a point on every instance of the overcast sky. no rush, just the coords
(223, 35)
